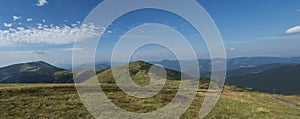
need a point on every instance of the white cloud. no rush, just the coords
(231, 49)
(292, 30)
(16, 17)
(41, 3)
(71, 49)
(298, 10)
(8, 25)
(43, 20)
(39, 52)
(109, 31)
(29, 19)
(281, 37)
(48, 35)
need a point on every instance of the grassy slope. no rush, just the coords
(139, 72)
(62, 101)
(41, 101)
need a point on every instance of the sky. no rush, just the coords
(34, 30)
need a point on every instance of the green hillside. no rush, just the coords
(34, 72)
(139, 72)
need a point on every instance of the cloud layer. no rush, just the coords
(47, 34)
(292, 30)
(231, 49)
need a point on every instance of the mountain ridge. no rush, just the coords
(34, 72)
(283, 79)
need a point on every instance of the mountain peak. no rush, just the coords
(139, 65)
(139, 72)
(140, 62)
(38, 64)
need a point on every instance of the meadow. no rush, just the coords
(62, 101)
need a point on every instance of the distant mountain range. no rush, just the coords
(34, 72)
(272, 78)
(98, 65)
(205, 64)
(266, 74)
(232, 64)
(88, 66)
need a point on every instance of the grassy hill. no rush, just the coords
(34, 72)
(139, 72)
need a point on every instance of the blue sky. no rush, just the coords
(34, 30)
